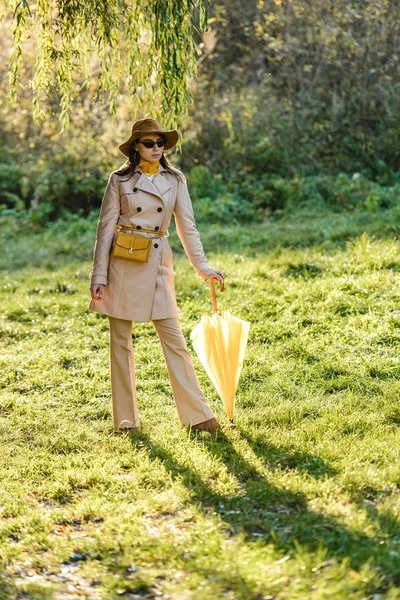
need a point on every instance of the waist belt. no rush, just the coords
(155, 232)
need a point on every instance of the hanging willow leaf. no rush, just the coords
(145, 47)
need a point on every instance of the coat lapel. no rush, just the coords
(161, 183)
(165, 181)
(158, 187)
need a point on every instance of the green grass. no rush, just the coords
(299, 501)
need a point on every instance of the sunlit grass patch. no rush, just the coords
(300, 500)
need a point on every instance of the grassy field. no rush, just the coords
(299, 501)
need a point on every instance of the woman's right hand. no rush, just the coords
(96, 291)
(216, 275)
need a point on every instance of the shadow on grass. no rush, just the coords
(276, 458)
(264, 512)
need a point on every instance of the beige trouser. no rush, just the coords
(190, 401)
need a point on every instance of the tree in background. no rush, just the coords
(145, 48)
(315, 83)
(294, 101)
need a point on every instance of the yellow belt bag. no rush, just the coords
(132, 246)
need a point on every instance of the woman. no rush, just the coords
(141, 197)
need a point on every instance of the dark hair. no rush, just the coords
(128, 168)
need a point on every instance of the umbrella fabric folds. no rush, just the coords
(220, 343)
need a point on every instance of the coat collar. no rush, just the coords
(159, 186)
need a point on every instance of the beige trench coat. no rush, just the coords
(134, 290)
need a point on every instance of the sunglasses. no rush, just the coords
(151, 144)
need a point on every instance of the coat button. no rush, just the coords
(138, 227)
(155, 245)
(139, 209)
(156, 228)
(159, 209)
(135, 189)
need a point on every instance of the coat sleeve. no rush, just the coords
(187, 231)
(109, 214)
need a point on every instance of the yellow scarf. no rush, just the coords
(148, 167)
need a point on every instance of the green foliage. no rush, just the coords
(343, 191)
(227, 208)
(55, 190)
(287, 112)
(11, 186)
(204, 183)
(299, 87)
(143, 48)
(253, 132)
(214, 203)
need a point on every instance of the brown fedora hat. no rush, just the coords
(143, 126)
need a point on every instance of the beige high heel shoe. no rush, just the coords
(210, 425)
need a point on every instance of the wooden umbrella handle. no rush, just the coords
(213, 295)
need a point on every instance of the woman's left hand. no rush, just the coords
(216, 275)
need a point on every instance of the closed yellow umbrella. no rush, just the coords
(220, 343)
